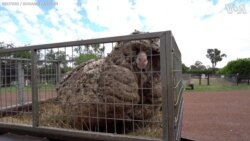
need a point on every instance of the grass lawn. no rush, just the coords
(216, 88)
(216, 85)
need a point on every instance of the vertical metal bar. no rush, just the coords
(170, 86)
(164, 85)
(58, 73)
(35, 108)
(167, 86)
(20, 84)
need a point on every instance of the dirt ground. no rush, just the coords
(217, 116)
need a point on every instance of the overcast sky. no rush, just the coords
(196, 24)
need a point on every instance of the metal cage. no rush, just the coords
(31, 76)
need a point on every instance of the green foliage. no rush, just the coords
(96, 49)
(185, 69)
(23, 54)
(198, 66)
(88, 52)
(60, 56)
(241, 66)
(215, 56)
(84, 58)
(201, 71)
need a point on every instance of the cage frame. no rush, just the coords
(171, 124)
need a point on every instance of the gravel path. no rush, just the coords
(217, 116)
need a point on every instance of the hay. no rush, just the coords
(51, 115)
(150, 129)
(18, 119)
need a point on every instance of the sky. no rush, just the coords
(196, 24)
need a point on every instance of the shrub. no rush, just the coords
(241, 66)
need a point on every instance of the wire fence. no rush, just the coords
(225, 80)
(128, 87)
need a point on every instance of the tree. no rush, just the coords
(84, 58)
(88, 52)
(198, 66)
(241, 66)
(60, 56)
(22, 54)
(79, 49)
(215, 56)
(185, 69)
(98, 50)
(6, 45)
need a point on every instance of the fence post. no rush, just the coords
(20, 84)
(199, 79)
(237, 79)
(248, 79)
(208, 81)
(167, 86)
(35, 108)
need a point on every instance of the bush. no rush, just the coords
(241, 66)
